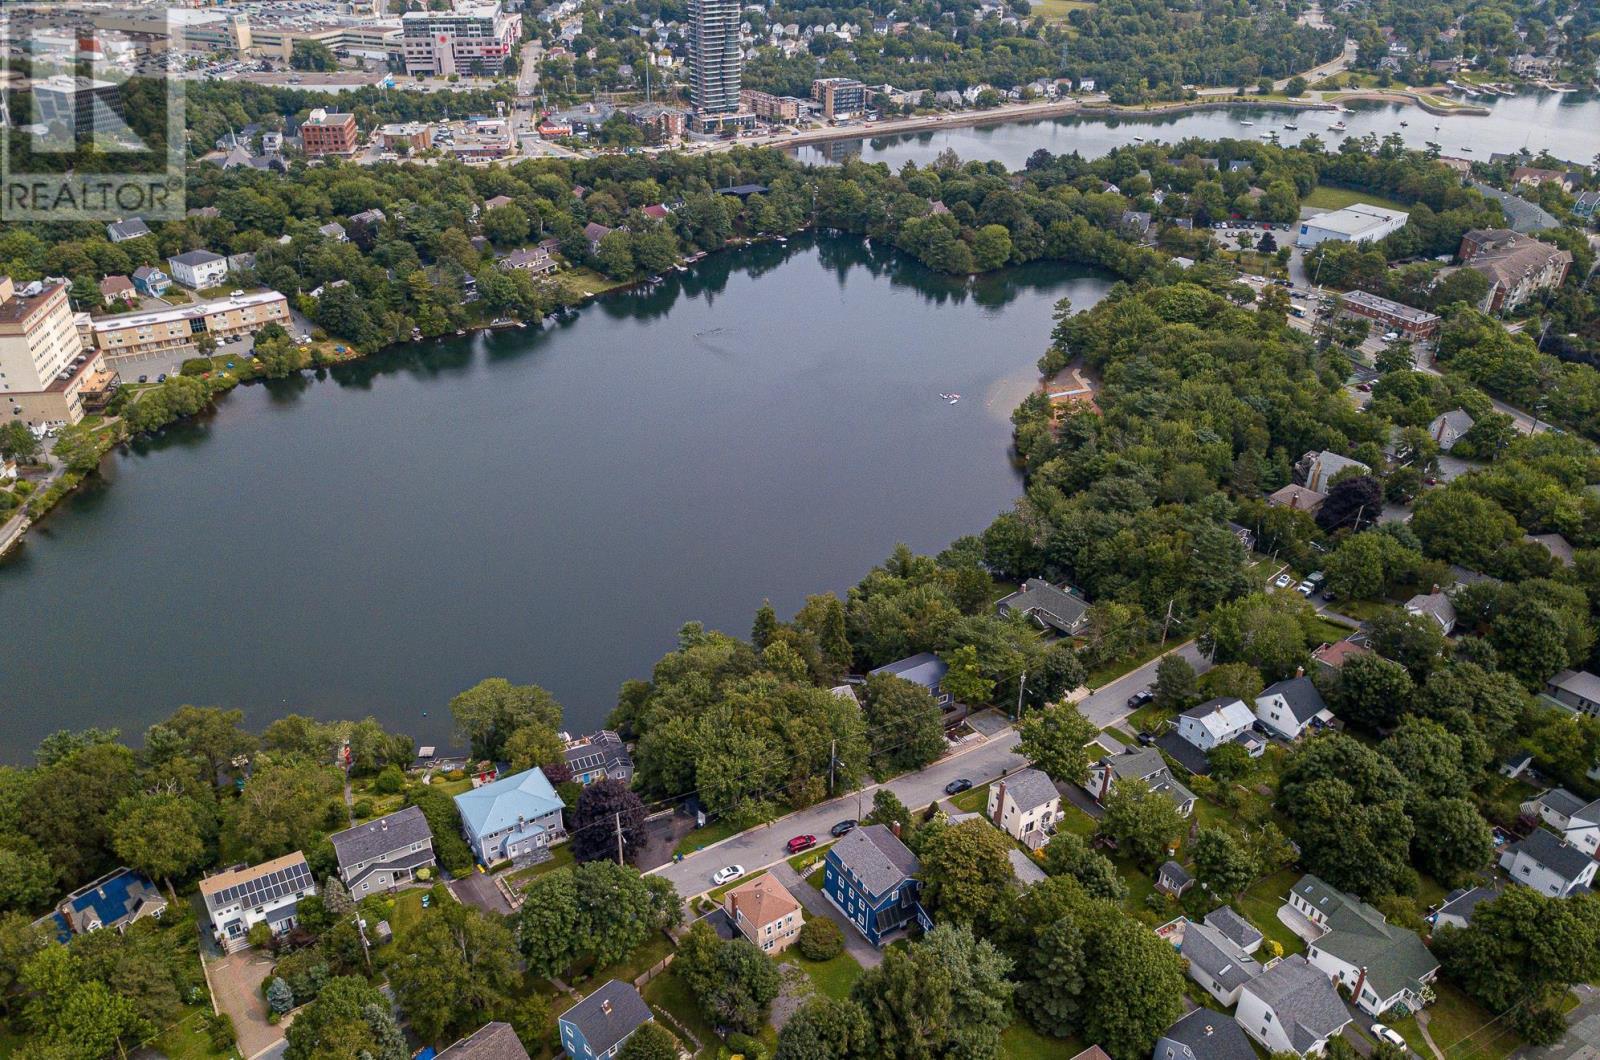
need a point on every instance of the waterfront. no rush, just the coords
(545, 506)
(1566, 123)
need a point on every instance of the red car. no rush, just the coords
(802, 842)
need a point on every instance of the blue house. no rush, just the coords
(871, 877)
(597, 1026)
(115, 900)
(515, 818)
(927, 670)
(148, 279)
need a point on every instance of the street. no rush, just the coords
(764, 846)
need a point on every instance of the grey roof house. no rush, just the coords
(926, 669)
(1047, 606)
(132, 228)
(1289, 707)
(1204, 1034)
(1436, 606)
(1217, 963)
(1550, 865)
(1577, 690)
(1291, 1007)
(1459, 905)
(384, 853)
(1234, 927)
(1381, 964)
(1144, 765)
(599, 755)
(492, 1041)
(598, 1025)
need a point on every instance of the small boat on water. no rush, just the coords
(460, 332)
(680, 268)
(1290, 125)
(1339, 126)
(1242, 121)
(951, 398)
(1468, 150)
(1138, 139)
(782, 239)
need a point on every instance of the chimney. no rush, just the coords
(1000, 804)
(1299, 671)
(1105, 783)
(894, 826)
(1355, 995)
(383, 825)
(605, 1005)
(1210, 1030)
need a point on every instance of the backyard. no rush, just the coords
(1326, 197)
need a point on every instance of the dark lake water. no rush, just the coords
(1566, 123)
(547, 506)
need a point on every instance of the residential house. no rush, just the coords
(1534, 177)
(1024, 869)
(1559, 547)
(871, 877)
(658, 211)
(597, 1027)
(1291, 1008)
(115, 900)
(122, 231)
(515, 818)
(1516, 765)
(1217, 963)
(368, 218)
(1218, 721)
(118, 291)
(492, 1041)
(1026, 806)
(384, 853)
(497, 201)
(1330, 658)
(594, 232)
(1135, 224)
(333, 230)
(1317, 470)
(1244, 535)
(1549, 864)
(1448, 427)
(1173, 879)
(1049, 607)
(1517, 266)
(927, 670)
(1380, 964)
(1235, 928)
(1436, 606)
(1587, 204)
(244, 896)
(1414, 325)
(1577, 690)
(1575, 820)
(243, 261)
(1203, 1034)
(1521, 215)
(1144, 766)
(846, 693)
(1297, 497)
(1457, 908)
(150, 280)
(765, 913)
(1288, 708)
(198, 269)
(535, 261)
(599, 755)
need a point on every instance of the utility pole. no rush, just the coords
(1167, 621)
(618, 816)
(1021, 687)
(833, 749)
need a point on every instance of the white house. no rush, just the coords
(1026, 805)
(1217, 963)
(1380, 964)
(244, 896)
(1320, 468)
(1291, 1008)
(1548, 865)
(1288, 708)
(1435, 606)
(1144, 766)
(1216, 722)
(1458, 906)
(1573, 819)
(198, 269)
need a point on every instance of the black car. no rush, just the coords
(1146, 738)
(1139, 699)
(956, 787)
(843, 828)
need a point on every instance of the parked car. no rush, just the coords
(802, 842)
(843, 828)
(1390, 336)
(727, 875)
(1328, 595)
(1145, 738)
(1139, 699)
(1315, 577)
(1305, 589)
(956, 787)
(1388, 1034)
(1282, 581)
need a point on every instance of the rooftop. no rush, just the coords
(1300, 695)
(501, 804)
(926, 669)
(1356, 219)
(762, 900)
(1580, 683)
(392, 831)
(184, 312)
(608, 1015)
(1030, 788)
(257, 883)
(877, 857)
(492, 1041)
(1387, 307)
(1206, 1034)
(1304, 999)
(1554, 853)
(1358, 934)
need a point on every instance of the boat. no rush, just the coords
(1290, 125)
(416, 333)
(951, 398)
(1242, 121)
(1339, 126)
(1468, 150)
(680, 268)
(1138, 139)
(460, 332)
(1405, 124)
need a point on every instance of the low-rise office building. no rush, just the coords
(1358, 223)
(1416, 325)
(131, 337)
(411, 135)
(769, 107)
(839, 97)
(325, 133)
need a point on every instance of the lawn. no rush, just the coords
(818, 878)
(1454, 1022)
(1324, 197)
(407, 911)
(1323, 629)
(1260, 906)
(1021, 1042)
(452, 787)
(1106, 673)
(1057, 10)
(802, 862)
(586, 282)
(833, 977)
(971, 801)
(187, 1039)
(668, 995)
(713, 832)
(560, 858)
(1076, 821)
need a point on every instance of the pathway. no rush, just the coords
(817, 904)
(1582, 1040)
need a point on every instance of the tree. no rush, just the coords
(1267, 632)
(903, 723)
(1371, 691)
(615, 254)
(1222, 863)
(946, 996)
(597, 909)
(1413, 641)
(534, 744)
(965, 680)
(210, 734)
(889, 811)
(1068, 854)
(734, 982)
(505, 226)
(1430, 757)
(280, 998)
(605, 810)
(490, 711)
(820, 939)
(283, 807)
(1351, 502)
(1346, 803)
(652, 1041)
(1523, 949)
(1142, 822)
(1452, 840)
(17, 442)
(965, 870)
(766, 625)
(335, 1024)
(159, 835)
(1296, 87)
(1054, 739)
(825, 1028)
(27, 878)
(1176, 685)
(451, 968)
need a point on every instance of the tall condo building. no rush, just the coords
(714, 59)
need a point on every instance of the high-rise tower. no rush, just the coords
(714, 59)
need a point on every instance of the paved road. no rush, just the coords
(1582, 1040)
(764, 846)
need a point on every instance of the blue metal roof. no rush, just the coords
(499, 805)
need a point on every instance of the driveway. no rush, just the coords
(479, 890)
(236, 985)
(817, 904)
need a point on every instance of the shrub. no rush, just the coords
(219, 1029)
(820, 939)
(195, 366)
(362, 809)
(746, 1046)
(389, 782)
(259, 935)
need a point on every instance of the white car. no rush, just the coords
(1390, 336)
(1388, 1034)
(1305, 588)
(1283, 581)
(727, 875)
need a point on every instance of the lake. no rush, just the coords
(548, 506)
(1566, 123)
